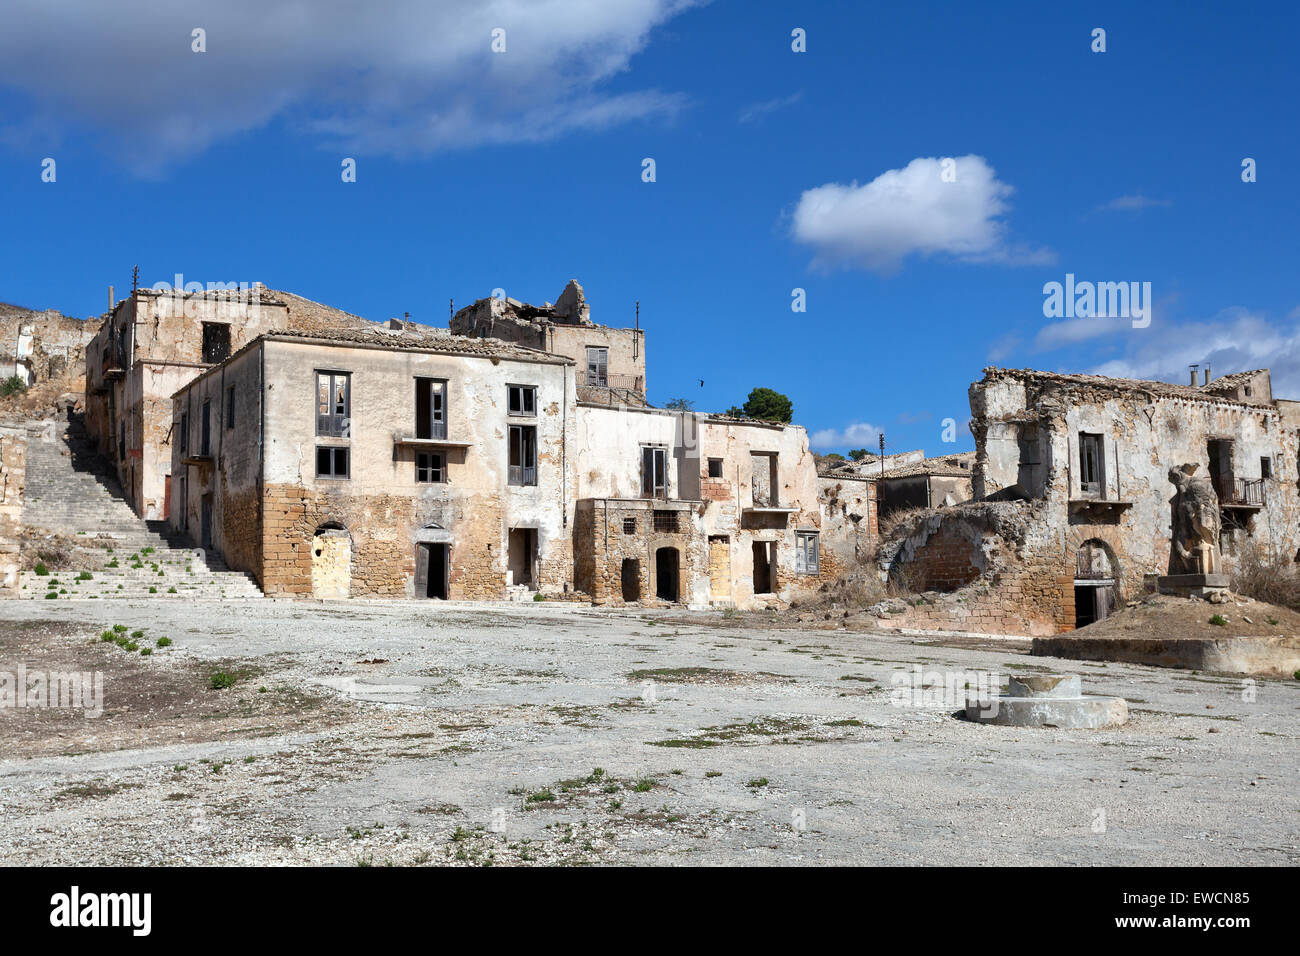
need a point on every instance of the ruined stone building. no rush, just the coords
(1074, 494)
(610, 361)
(154, 342)
(39, 346)
(402, 461)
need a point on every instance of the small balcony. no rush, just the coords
(1240, 493)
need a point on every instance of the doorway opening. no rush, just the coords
(631, 579)
(522, 557)
(764, 553)
(1094, 584)
(331, 562)
(667, 564)
(431, 571)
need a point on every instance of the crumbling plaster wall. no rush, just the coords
(381, 505)
(13, 474)
(232, 478)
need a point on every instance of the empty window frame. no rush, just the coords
(654, 471)
(230, 406)
(333, 404)
(431, 408)
(216, 342)
(1092, 464)
(430, 466)
(715, 467)
(666, 522)
(523, 455)
(1266, 467)
(185, 434)
(205, 429)
(807, 552)
(521, 399)
(331, 461)
(597, 365)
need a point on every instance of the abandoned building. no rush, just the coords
(610, 361)
(1074, 499)
(401, 461)
(938, 482)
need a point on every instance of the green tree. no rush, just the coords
(769, 405)
(680, 404)
(734, 412)
(857, 454)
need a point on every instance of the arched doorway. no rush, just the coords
(1096, 582)
(667, 567)
(331, 562)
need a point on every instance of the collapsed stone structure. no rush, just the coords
(1077, 511)
(512, 456)
(39, 346)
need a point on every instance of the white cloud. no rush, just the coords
(860, 435)
(912, 211)
(1134, 203)
(758, 111)
(401, 77)
(1233, 341)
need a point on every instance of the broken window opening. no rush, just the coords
(654, 471)
(333, 404)
(521, 399)
(597, 365)
(216, 342)
(431, 408)
(205, 426)
(1266, 467)
(523, 455)
(331, 462)
(430, 467)
(715, 467)
(807, 554)
(1092, 465)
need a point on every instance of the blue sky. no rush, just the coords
(522, 169)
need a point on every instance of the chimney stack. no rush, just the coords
(1193, 370)
(1207, 374)
(111, 303)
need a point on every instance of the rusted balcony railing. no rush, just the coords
(1240, 491)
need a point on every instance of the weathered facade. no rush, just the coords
(1079, 467)
(13, 473)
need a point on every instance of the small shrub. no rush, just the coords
(40, 570)
(136, 635)
(220, 680)
(146, 651)
(85, 576)
(119, 628)
(1218, 620)
(757, 782)
(52, 596)
(1267, 578)
(12, 384)
(539, 597)
(164, 642)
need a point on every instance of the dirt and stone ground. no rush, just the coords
(370, 733)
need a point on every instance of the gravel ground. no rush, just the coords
(370, 733)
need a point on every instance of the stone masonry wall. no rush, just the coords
(13, 471)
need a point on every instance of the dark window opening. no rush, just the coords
(430, 467)
(523, 455)
(121, 440)
(185, 434)
(331, 462)
(715, 467)
(230, 407)
(430, 408)
(521, 399)
(333, 404)
(216, 342)
(654, 471)
(1266, 467)
(205, 429)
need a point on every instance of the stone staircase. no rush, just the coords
(70, 491)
